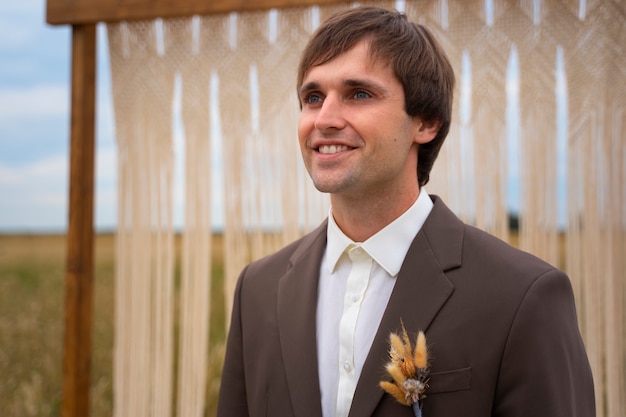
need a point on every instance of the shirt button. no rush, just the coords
(347, 366)
(355, 298)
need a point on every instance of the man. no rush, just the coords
(310, 325)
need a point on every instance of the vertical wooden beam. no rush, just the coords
(80, 237)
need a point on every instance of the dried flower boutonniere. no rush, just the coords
(408, 367)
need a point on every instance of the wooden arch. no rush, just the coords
(83, 15)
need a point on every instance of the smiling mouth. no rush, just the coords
(331, 149)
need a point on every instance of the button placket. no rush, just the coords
(356, 285)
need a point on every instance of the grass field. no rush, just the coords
(32, 274)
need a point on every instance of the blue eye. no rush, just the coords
(360, 95)
(312, 99)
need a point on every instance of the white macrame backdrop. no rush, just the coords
(540, 102)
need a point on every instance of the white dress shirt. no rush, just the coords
(356, 281)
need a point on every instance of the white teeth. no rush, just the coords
(333, 148)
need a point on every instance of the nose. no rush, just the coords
(330, 115)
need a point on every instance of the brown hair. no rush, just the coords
(417, 59)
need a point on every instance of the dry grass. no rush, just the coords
(31, 309)
(32, 274)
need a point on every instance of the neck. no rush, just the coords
(359, 219)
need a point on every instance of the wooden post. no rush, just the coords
(80, 236)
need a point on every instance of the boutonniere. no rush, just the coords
(408, 368)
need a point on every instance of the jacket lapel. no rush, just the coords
(421, 289)
(297, 303)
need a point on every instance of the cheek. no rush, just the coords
(304, 127)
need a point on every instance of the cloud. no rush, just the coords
(14, 34)
(34, 123)
(41, 173)
(22, 6)
(20, 22)
(33, 101)
(35, 194)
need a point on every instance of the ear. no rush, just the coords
(426, 131)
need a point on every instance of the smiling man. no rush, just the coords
(310, 325)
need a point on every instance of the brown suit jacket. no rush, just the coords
(500, 323)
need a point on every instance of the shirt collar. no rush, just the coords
(397, 235)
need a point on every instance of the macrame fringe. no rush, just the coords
(223, 86)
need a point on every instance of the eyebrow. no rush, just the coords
(310, 86)
(364, 83)
(350, 82)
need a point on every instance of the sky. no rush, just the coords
(34, 123)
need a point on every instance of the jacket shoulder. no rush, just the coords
(481, 247)
(457, 245)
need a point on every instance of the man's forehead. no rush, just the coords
(373, 58)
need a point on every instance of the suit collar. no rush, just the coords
(297, 303)
(444, 232)
(421, 290)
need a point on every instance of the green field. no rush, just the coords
(32, 274)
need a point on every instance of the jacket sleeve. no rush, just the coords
(544, 369)
(232, 400)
